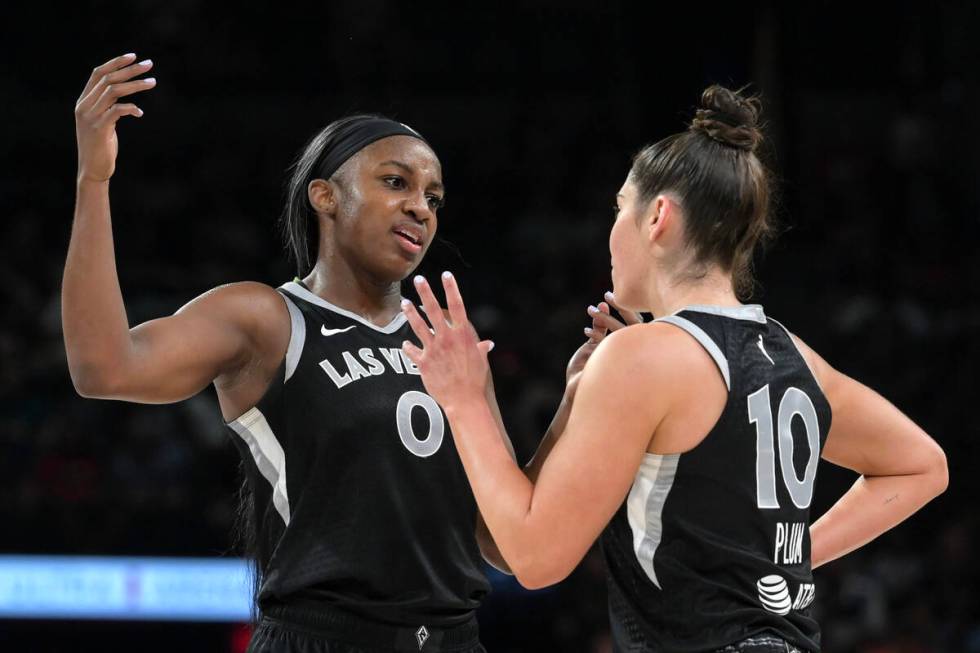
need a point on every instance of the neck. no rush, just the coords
(672, 293)
(357, 291)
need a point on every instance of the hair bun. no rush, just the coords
(729, 118)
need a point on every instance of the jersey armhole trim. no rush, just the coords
(800, 352)
(268, 454)
(297, 337)
(709, 345)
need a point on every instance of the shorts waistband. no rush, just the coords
(329, 623)
(761, 644)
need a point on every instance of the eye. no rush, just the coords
(615, 210)
(435, 202)
(395, 182)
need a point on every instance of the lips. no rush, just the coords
(410, 237)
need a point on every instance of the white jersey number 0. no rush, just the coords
(437, 426)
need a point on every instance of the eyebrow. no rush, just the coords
(437, 185)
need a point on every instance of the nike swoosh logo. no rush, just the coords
(332, 332)
(763, 350)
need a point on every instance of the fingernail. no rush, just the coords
(140, 112)
(128, 55)
(593, 309)
(406, 303)
(418, 279)
(588, 331)
(447, 275)
(608, 294)
(492, 345)
(150, 80)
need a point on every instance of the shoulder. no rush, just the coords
(659, 346)
(237, 299)
(239, 292)
(655, 355)
(641, 374)
(257, 309)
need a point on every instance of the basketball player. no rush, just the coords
(364, 520)
(690, 443)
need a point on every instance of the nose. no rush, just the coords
(417, 206)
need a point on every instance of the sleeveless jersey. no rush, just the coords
(712, 546)
(361, 501)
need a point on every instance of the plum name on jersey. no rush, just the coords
(368, 362)
(789, 543)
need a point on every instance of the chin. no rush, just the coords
(398, 268)
(621, 292)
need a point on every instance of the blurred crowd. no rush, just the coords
(876, 267)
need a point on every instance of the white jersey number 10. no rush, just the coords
(794, 403)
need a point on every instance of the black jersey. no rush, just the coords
(712, 546)
(361, 501)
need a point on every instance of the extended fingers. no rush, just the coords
(108, 67)
(117, 111)
(113, 92)
(454, 300)
(629, 317)
(598, 330)
(93, 90)
(429, 302)
(415, 321)
(414, 353)
(602, 320)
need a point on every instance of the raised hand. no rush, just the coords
(98, 110)
(602, 324)
(452, 360)
(594, 335)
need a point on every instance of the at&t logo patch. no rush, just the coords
(774, 595)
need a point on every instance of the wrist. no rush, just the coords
(466, 406)
(86, 180)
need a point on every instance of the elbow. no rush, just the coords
(93, 381)
(537, 573)
(938, 472)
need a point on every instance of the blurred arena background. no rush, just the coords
(534, 109)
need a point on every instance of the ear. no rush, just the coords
(660, 216)
(322, 196)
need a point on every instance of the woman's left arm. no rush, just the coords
(544, 529)
(901, 467)
(484, 539)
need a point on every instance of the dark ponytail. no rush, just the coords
(300, 230)
(724, 188)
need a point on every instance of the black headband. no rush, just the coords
(354, 136)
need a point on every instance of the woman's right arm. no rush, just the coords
(162, 360)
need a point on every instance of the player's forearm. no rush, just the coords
(872, 506)
(551, 437)
(503, 493)
(488, 547)
(96, 329)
